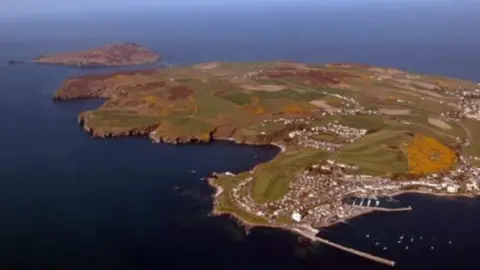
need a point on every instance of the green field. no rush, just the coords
(271, 179)
(225, 202)
(378, 153)
(227, 98)
(177, 126)
(122, 119)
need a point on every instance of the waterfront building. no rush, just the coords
(296, 217)
(452, 188)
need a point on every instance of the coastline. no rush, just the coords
(303, 230)
(146, 131)
(307, 232)
(452, 195)
(86, 66)
(219, 191)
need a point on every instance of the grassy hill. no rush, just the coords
(255, 102)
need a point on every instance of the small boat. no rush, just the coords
(354, 201)
(450, 242)
(368, 203)
(361, 202)
(399, 241)
(377, 243)
(368, 235)
(401, 237)
(411, 239)
(421, 237)
(377, 203)
(406, 247)
(432, 247)
(384, 248)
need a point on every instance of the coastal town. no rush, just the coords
(351, 136)
(317, 195)
(330, 192)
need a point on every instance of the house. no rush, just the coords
(472, 186)
(296, 217)
(452, 188)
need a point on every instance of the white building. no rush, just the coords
(472, 186)
(296, 217)
(452, 188)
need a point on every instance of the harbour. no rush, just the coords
(86, 204)
(384, 203)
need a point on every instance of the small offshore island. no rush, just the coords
(122, 54)
(347, 132)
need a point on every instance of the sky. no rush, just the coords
(32, 8)
(14, 8)
(22, 8)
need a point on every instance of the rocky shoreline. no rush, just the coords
(128, 132)
(148, 131)
(112, 55)
(219, 191)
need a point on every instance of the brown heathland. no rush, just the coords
(123, 54)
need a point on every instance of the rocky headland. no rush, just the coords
(346, 131)
(122, 54)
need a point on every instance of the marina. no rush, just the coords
(386, 204)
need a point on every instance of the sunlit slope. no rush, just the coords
(402, 114)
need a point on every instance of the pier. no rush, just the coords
(392, 209)
(384, 209)
(310, 233)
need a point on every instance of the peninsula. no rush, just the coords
(123, 54)
(349, 133)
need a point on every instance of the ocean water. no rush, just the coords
(68, 201)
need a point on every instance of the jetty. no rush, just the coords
(311, 234)
(384, 209)
(401, 209)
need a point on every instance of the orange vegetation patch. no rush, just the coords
(427, 155)
(255, 108)
(293, 109)
(150, 99)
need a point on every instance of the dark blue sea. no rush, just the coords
(68, 201)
